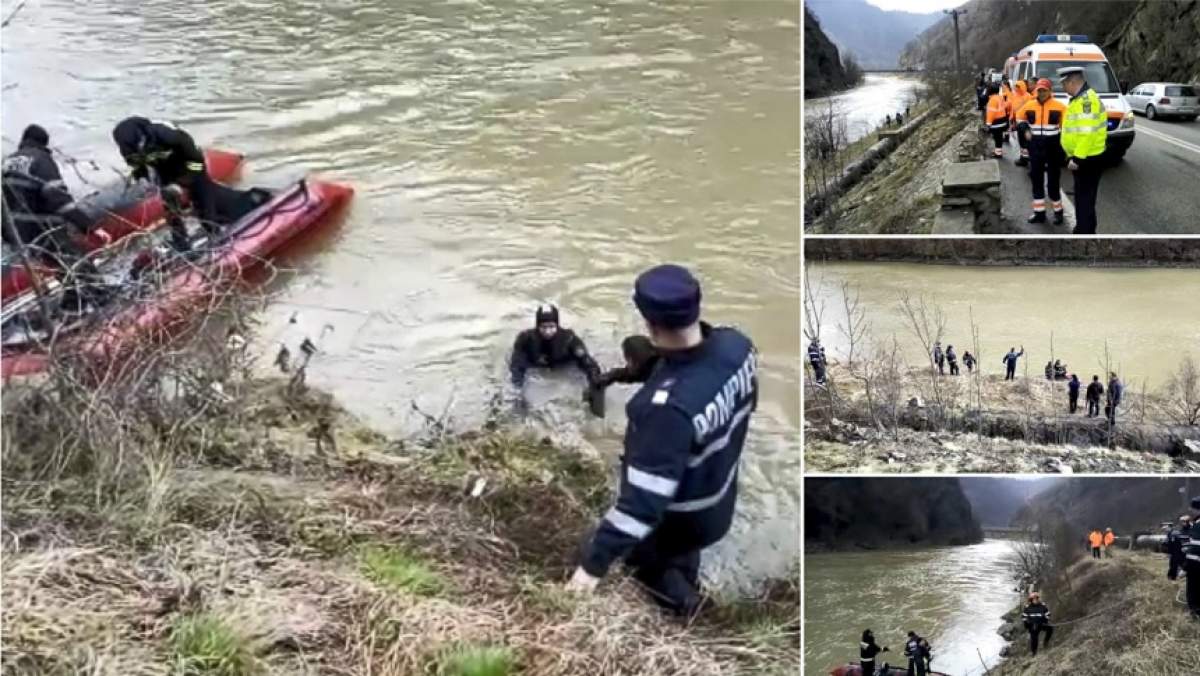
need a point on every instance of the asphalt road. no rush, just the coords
(1154, 190)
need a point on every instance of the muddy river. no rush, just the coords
(503, 154)
(953, 596)
(1146, 317)
(865, 106)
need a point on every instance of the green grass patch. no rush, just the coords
(476, 660)
(400, 570)
(205, 645)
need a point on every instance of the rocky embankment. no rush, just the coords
(862, 513)
(1008, 252)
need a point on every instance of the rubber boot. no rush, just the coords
(1058, 218)
(1037, 217)
(1022, 161)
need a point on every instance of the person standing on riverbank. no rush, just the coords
(683, 443)
(1036, 617)
(1115, 390)
(1094, 390)
(1010, 362)
(1097, 541)
(1191, 560)
(969, 361)
(918, 652)
(952, 359)
(996, 118)
(816, 359)
(1073, 392)
(1109, 540)
(1084, 139)
(1177, 537)
(939, 358)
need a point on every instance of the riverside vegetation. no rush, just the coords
(177, 514)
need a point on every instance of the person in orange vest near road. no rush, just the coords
(1109, 539)
(1039, 124)
(1016, 101)
(1097, 541)
(997, 118)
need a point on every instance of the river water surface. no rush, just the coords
(953, 596)
(1146, 316)
(865, 106)
(503, 154)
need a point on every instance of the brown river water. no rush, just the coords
(503, 154)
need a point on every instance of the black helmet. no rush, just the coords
(546, 314)
(867, 635)
(36, 135)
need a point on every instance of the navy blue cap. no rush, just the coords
(668, 296)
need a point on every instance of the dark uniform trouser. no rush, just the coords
(1074, 402)
(1045, 167)
(1087, 187)
(998, 136)
(670, 573)
(916, 666)
(1093, 407)
(1095, 552)
(201, 191)
(1193, 586)
(1033, 636)
(1012, 369)
(868, 667)
(1173, 565)
(818, 370)
(953, 368)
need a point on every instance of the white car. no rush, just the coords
(1164, 99)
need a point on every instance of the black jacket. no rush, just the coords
(530, 350)
(1094, 390)
(867, 650)
(35, 197)
(170, 151)
(1035, 615)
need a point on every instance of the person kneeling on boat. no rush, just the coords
(1036, 617)
(38, 208)
(178, 166)
(867, 650)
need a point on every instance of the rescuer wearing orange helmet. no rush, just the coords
(1039, 125)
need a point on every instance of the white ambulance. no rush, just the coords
(1048, 53)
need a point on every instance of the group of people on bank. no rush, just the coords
(683, 443)
(1051, 134)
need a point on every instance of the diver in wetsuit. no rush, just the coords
(178, 165)
(548, 345)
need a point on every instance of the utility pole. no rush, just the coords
(955, 13)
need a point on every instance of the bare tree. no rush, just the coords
(1180, 396)
(825, 143)
(928, 324)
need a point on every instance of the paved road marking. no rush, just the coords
(1167, 138)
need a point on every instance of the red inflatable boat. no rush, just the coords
(122, 324)
(119, 210)
(856, 670)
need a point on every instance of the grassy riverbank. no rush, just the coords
(1120, 617)
(245, 547)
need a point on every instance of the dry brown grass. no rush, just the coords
(246, 537)
(1138, 627)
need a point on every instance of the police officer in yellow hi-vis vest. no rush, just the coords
(1084, 135)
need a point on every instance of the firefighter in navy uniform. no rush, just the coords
(867, 650)
(1177, 537)
(1036, 617)
(178, 165)
(38, 207)
(683, 443)
(1191, 561)
(816, 359)
(548, 345)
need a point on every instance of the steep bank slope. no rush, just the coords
(824, 72)
(848, 513)
(996, 501)
(1116, 252)
(1121, 617)
(991, 31)
(875, 37)
(1124, 504)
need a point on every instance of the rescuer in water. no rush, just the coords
(640, 360)
(549, 345)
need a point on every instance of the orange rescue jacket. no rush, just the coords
(997, 111)
(1096, 538)
(1109, 538)
(1018, 98)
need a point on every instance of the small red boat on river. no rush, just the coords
(123, 322)
(119, 210)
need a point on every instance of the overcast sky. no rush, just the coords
(918, 6)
